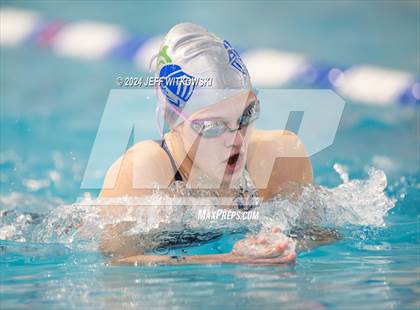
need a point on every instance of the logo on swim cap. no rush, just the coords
(176, 85)
(234, 58)
(163, 57)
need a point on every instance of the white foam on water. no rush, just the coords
(354, 202)
(360, 202)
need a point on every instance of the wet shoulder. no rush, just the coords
(276, 157)
(144, 165)
(266, 135)
(280, 142)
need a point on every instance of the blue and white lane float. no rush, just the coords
(92, 40)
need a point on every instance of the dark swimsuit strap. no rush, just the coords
(178, 176)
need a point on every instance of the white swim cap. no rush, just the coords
(193, 55)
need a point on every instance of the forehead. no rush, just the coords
(233, 106)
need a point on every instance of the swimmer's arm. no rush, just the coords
(310, 238)
(172, 260)
(227, 258)
(132, 175)
(267, 254)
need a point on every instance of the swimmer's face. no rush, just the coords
(223, 156)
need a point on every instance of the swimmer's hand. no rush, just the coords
(264, 249)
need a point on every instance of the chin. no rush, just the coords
(229, 177)
(237, 174)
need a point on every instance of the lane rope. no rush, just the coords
(91, 40)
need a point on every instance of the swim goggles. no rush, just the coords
(215, 128)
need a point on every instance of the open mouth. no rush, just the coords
(233, 159)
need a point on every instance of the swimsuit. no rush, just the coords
(246, 196)
(178, 176)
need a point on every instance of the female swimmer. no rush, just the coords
(209, 142)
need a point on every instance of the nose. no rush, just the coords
(238, 138)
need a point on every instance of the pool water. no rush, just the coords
(50, 111)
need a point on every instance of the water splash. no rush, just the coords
(354, 202)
